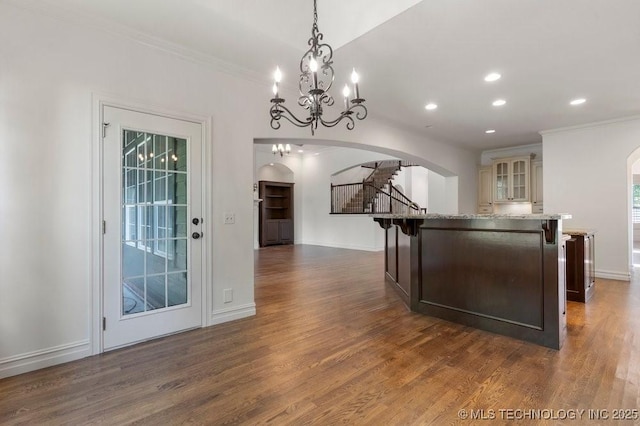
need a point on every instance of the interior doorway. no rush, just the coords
(274, 171)
(635, 215)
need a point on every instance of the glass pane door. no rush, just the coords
(152, 245)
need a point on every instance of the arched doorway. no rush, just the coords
(276, 172)
(313, 162)
(634, 209)
(270, 168)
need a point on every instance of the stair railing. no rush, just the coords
(403, 200)
(344, 196)
(366, 197)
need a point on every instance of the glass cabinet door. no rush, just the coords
(519, 189)
(501, 173)
(511, 180)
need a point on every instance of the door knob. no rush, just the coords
(196, 235)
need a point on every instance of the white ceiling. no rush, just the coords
(410, 52)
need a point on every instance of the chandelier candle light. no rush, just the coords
(280, 149)
(316, 78)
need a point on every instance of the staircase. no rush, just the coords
(376, 193)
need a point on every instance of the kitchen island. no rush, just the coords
(500, 273)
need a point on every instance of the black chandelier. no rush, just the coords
(316, 78)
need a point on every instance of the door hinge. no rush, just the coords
(104, 129)
(104, 323)
(104, 227)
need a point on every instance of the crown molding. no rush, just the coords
(512, 148)
(50, 9)
(590, 125)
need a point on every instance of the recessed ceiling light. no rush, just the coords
(578, 101)
(492, 77)
(301, 151)
(490, 131)
(499, 102)
(431, 106)
(271, 164)
(317, 153)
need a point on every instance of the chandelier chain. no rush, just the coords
(315, 13)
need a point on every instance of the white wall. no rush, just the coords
(402, 180)
(353, 174)
(275, 173)
(50, 72)
(321, 228)
(419, 191)
(50, 69)
(437, 193)
(346, 231)
(429, 189)
(587, 173)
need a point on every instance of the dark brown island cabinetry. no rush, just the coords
(398, 262)
(581, 280)
(276, 213)
(499, 273)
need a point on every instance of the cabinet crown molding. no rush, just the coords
(531, 156)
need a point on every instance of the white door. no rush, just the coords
(152, 207)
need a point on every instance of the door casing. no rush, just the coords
(99, 101)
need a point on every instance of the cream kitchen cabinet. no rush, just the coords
(536, 187)
(485, 190)
(511, 180)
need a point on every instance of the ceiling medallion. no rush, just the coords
(316, 78)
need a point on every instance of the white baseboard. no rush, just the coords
(344, 246)
(613, 275)
(231, 314)
(43, 358)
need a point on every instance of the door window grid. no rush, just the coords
(152, 188)
(502, 181)
(150, 219)
(519, 184)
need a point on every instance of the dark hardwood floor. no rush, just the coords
(332, 344)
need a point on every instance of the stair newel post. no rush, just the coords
(332, 195)
(363, 192)
(374, 205)
(390, 195)
(364, 197)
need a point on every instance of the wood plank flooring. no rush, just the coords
(332, 344)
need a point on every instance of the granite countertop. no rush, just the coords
(556, 216)
(578, 231)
